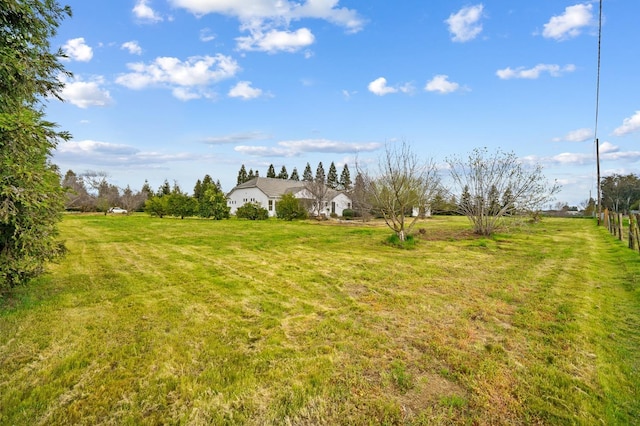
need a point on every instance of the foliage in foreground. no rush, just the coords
(172, 321)
(30, 193)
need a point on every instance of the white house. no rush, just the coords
(268, 191)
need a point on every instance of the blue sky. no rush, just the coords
(176, 89)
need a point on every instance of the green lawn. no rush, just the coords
(167, 321)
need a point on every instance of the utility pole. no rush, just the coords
(598, 177)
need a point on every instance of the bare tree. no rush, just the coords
(316, 195)
(485, 177)
(401, 185)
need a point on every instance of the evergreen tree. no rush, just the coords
(294, 175)
(242, 175)
(31, 196)
(465, 201)
(320, 174)
(198, 192)
(283, 173)
(77, 196)
(332, 177)
(146, 189)
(345, 179)
(493, 200)
(271, 172)
(165, 189)
(307, 176)
(250, 175)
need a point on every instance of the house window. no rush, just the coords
(348, 205)
(270, 205)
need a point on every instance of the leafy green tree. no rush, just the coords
(345, 179)
(289, 208)
(271, 171)
(332, 176)
(214, 205)
(294, 175)
(252, 211)
(283, 173)
(242, 175)
(181, 205)
(31, 194)
(620, 192)
(307, 175)
(157, 206)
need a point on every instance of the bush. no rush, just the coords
(290, 208)
(252, 211)
(348, 214)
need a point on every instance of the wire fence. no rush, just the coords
(625, 228)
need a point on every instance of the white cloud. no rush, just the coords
(244, 90)
(379, 87)
(441, 84)
(465, 25)
(570, 23)
(189, 94)
(348, 94)
(132, 46)
(76, 49)
(98, 153)
(578, 135)
(629, 125)
(273, 40)
(608, 152)
(206, 35)
(188, 79)
(281, 12)
(298, 147)
(533, 73)
(85, 94)
(235, 138)
(145, 13)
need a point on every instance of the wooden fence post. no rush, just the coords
(636, 229)
(620, 226)
(631, 233)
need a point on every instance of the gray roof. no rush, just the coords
(272, 187)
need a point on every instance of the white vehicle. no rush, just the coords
(117, 210)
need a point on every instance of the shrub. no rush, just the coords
(348, 214)
(252, 211)
(290, 208)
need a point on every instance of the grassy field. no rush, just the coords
(164, 321)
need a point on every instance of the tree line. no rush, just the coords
(331, 178)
